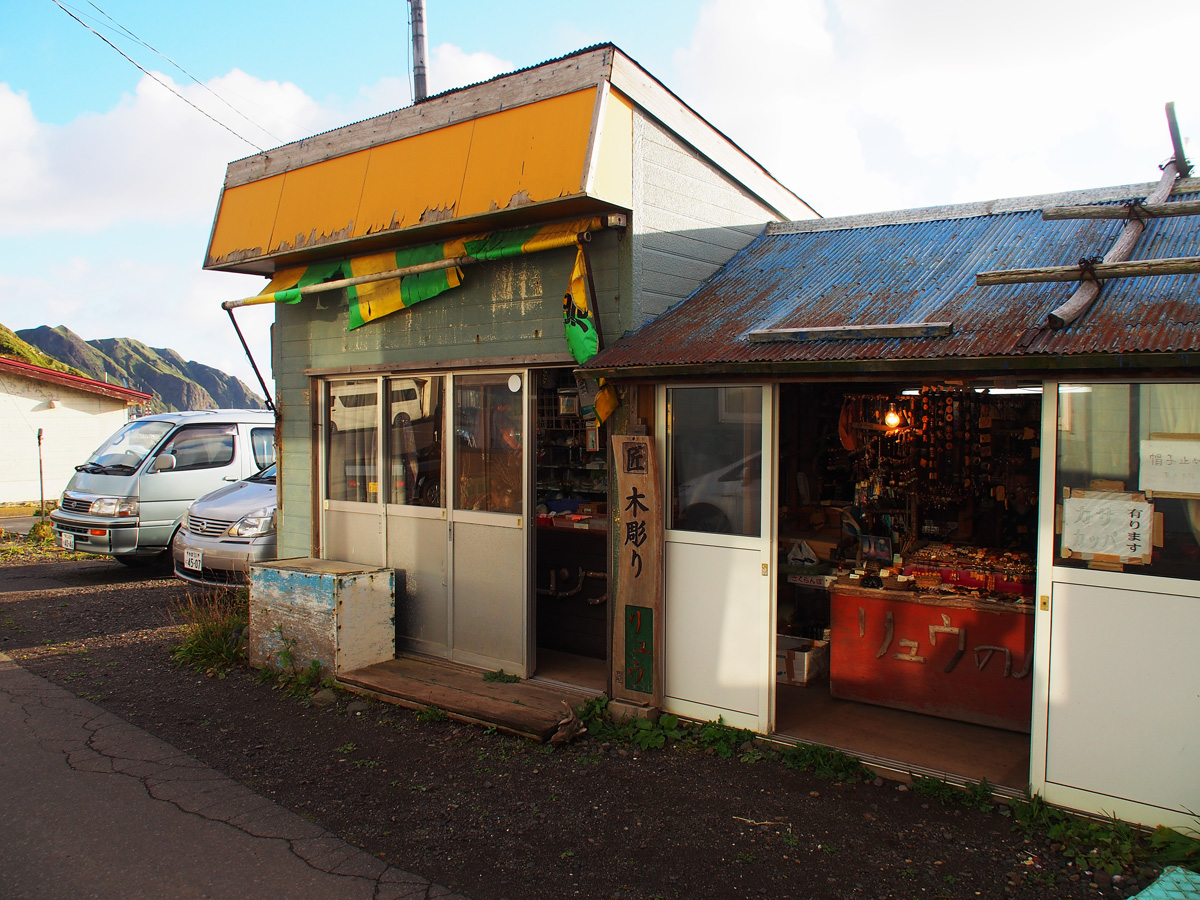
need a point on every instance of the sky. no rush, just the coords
(109, 180)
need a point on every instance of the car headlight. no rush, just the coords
(114, 506)
(255, 524)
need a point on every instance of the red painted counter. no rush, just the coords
(900, 649)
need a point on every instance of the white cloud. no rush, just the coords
(451, 67)
(107, 217)
(861, 105)
(152, 158)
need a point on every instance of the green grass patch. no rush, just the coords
(825, 762)
(501, 677)
(431, 714)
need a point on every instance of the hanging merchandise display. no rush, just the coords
(907, 528)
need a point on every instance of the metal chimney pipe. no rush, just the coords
(418, 39)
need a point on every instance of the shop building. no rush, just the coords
(430, 420)
(906, 517)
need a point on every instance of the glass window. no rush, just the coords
(125, 450)
(716, 459)
(1128, 478)
(262, 440)
(201, 447)
(352, 414)
(487, 439)
(415, 440)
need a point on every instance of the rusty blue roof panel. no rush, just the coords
(885, 270)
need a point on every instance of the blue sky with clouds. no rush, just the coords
(108, 182)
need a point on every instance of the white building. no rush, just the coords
(72, 415)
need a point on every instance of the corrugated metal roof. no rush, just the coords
(890, 270)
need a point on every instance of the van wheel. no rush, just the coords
(165, 561)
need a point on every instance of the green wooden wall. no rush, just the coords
(504, 311)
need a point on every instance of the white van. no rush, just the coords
(127, 500)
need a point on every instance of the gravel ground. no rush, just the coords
(498, 817)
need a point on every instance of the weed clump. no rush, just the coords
(1109, 845)
(213, 629)
(825, 762)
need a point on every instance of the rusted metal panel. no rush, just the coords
(922, 271)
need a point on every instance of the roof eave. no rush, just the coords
(1028, 365)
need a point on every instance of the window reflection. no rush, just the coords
(487, 435)
(716, 459)
(415, 440)
(1129, 444)
(353, 459)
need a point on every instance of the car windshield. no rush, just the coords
(264, 476)
(122, 453)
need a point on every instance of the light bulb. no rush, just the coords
(892, 418)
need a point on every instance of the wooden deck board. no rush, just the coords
(524, 708)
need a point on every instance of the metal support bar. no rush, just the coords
(262, 383)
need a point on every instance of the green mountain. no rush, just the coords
(174, 382)
(15, 348)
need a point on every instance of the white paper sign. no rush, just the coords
(1108, 525)
(1170, 467)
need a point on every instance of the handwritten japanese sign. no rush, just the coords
(638, 535)
(1170, 467)
(1099, 525)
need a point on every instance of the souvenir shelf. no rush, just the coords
(571, 463)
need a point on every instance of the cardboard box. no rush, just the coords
(800, 661)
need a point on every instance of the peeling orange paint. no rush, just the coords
(528, 154)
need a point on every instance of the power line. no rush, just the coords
(155, 78)
(136, 39)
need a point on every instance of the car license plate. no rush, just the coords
(68, 541)
(191, 559)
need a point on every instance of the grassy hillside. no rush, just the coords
(14, 348)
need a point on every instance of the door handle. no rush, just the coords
(230, 478)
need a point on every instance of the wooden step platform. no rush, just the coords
(527, 708)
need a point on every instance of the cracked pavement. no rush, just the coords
(95, 807)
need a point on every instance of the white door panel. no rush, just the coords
(417, 545)
(490, 599)
(713, 620)
(1108, 693)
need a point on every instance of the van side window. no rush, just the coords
(262, 440)
(202, 447)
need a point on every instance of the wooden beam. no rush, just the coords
(1134, 268)
(1124, 211)
(853, 332)
(1085, 295)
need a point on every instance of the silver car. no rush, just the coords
(225, 532)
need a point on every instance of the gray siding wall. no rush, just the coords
(689, 219)
(503, 313)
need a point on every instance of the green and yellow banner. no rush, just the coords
(442, 270)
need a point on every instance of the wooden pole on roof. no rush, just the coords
(1134, 268)
(1087, 292)
(1124, 211)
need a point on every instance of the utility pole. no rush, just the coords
(418, 40)
(41, 483)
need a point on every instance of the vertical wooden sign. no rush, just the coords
(637, 630)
